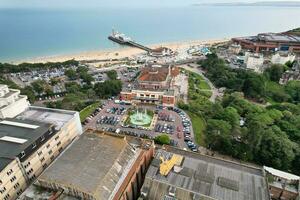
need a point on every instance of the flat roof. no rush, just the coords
(203, 177)
(94, 164)
(48, 115)
(14, 138)
(282, 174)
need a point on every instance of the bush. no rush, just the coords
(162, 139)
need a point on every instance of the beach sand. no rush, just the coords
(117, 53)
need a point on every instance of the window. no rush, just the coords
(40, 153)
(9, 172)
(13, 179)
(33, 145)
(48, 145)
(58, 143)
(16, 186)
(19, 192)
(30, 171)
(0, 182)
(52, 157)
(6, 197)
(60, 149)
(25, 166)
(50, 152)
(57, 137)
(22, 154)
(42, 159)
(2, 190)
(42, 138)
(45, 166)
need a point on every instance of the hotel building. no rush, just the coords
(154, 85)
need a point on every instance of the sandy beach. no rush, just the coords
(117, 53)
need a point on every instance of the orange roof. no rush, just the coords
(154, 74)
(175, 71)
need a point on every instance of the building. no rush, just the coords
(29, 142)
(254, 61)
(100, 166)
(161, 52)
(154, 85)
(292, 74)
(235, 48)
(178, 174)
(282, 57)
(283, 185)
(11, 102)
(270, 42)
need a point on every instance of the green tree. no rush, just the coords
(162, 139)
(274, 73)
(39, 86)
(71, 74)
(112, 74)
(29, 92)
(218, 135)
(293, 89)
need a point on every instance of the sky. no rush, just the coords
(105, 3)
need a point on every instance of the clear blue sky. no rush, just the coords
(103, 3)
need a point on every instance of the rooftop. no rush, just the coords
(94, 164)
(154, 74)
(200, 177)
(281, 174)
(16, 135)
(53, 116)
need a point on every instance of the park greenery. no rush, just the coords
(238, 126)
(87, 111)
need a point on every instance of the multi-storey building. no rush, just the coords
(11, 102)
(154, 85)
(100, 166)
(29, 142)
(270, 42)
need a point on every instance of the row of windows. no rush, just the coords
(16, 185)
(2, 190)
(27, 165)
(19, 192)
(9, 172)
(6, 197)
(13, 179)
(30, 171)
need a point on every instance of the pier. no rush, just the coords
(123, 40)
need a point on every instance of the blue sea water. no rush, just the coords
(27, 33)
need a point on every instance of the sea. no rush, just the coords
(28, 33)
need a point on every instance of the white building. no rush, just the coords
(11, 102)
(282, 57)
(254, 61)
(30, 142)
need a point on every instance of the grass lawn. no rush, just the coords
(203, 85)
(84, 113)
(198, 126)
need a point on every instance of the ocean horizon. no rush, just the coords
(29, 33)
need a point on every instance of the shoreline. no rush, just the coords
(116, 53)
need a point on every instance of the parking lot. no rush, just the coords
(171, 121)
